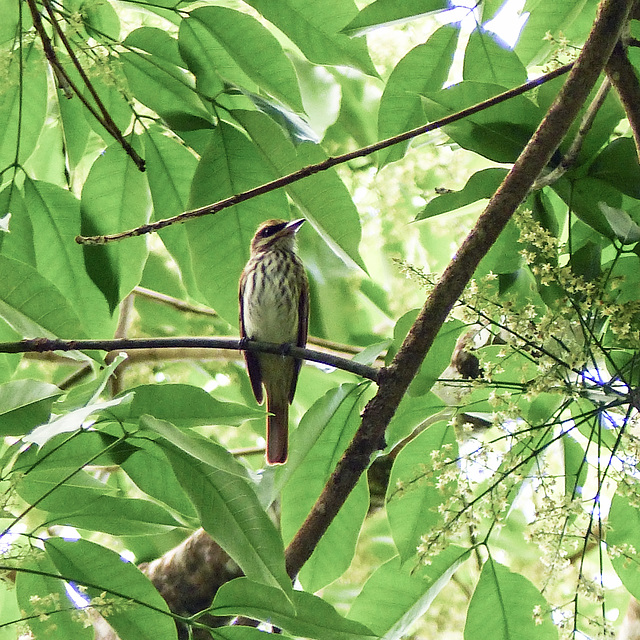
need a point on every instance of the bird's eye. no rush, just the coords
(267, 232)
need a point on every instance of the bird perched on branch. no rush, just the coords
(274, 307)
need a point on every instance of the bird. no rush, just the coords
(274, 307)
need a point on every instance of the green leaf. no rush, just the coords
(140, 611)
(309, 617)
(623, 542)
(73, 420)
(314, 26)
(45, 603)
(231, 514)
(556, 18)
(24, 404)
(575, 467)
(322, 198)
(502, 608)
(381, 13)
(187, 406)
(23, 104)
(618, 165)
(425, 68)
(165, 88)
(482, 184)
(439, 355)
(54, 489)
(621, 223)
(99, 19)
(231, 164)
(34, 307)
(487, 59)
(316, 446)
(149, 469)
(222, 45)
(206, 451)
(115, 197)
(413, 495)
(55, 216)
(498, 133)
(397, 595)
(116, 516)
(583, 194)
(170, 170)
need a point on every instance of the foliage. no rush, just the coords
(503, 506)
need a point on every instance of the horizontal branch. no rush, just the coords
(40, 345)
(329, 163)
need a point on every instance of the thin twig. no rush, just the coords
(571, 156)
(40, 345)
(329, 163)
(395, 379)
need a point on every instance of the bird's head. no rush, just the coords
(275, 234)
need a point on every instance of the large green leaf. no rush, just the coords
(503, 605)
(222, 45)
(23, 104)
(425, 68)
(560, 19)
(381, 13)
(314, 26)
(323, 198)
(439, 356)
(309, 617)
(34, 307)
(397, 595)
(618, 165)
(316, 447)
(164, 87)
(413, 495)
(487, 59)
(115, 197)
(170, 169)
(499, 132)
(150, 470)
(187, 406)
(139, 613)
(55, 216)
(623, 542)
(219, 244)
(24, 404)
(231, 514)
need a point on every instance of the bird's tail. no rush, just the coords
(277, 430)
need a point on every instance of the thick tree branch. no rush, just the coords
(40, 345)
(394, 381)
(623, 77)
(329, 163)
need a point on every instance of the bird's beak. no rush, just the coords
(293, 226)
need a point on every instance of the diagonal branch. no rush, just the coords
(394, 380)
(623, 77)
(329, 163)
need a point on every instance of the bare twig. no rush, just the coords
(394, 380)
(40, 345)
(329, 163)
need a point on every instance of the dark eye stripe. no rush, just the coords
(272, 229)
